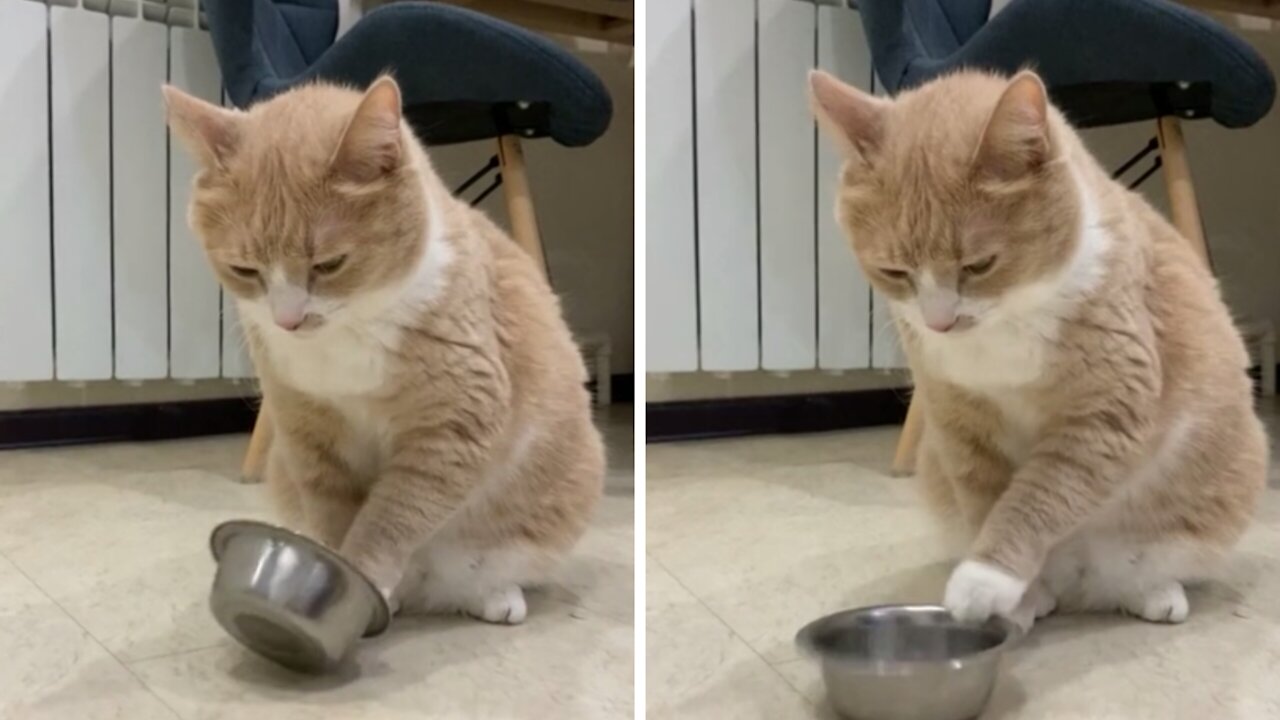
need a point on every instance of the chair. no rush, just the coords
(463, 76)
(1105, 62)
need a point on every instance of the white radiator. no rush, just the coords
(100, 278)
(747, 269)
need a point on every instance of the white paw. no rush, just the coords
(978, 590)
(505, 606)
(1164, 604)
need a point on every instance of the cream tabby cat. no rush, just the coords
(1087, 407)
(431, 418)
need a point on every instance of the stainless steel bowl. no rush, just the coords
(289, 598)
(906, 662)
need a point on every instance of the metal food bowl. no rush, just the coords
(906, 662)
(289, 598)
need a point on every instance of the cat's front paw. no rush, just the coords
(978, 590)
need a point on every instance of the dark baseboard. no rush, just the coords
(623, 387)
(160, 421)
(700, 419)
(125, 423)
(695, 419)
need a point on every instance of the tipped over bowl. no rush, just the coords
(289, 598)
(906, 662)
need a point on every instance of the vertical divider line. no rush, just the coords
(53, 268)
(168, 213)
(755, 71)
(871, 304)
(693, 133)
(111, 175)
(817, 205)
(222, 301)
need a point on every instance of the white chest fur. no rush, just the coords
(335, 364)
(343, 369)
(1007, 355)
(1020, 423)
(365, 443)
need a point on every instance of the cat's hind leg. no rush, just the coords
(485, 584)
(1143, 579)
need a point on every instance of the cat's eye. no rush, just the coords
(247, 273)
(329, 267)
(895, 273)
(982, 266)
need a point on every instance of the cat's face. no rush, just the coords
(953, 195)
(308, 205)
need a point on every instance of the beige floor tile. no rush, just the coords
(872, 448)
(118, 536)
(125, 552)
(53, 670)
(600, 575)
(698, 668)
(564, 662)
(765, 545)
(1218, 665)
(774, 550)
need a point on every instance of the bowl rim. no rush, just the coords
(226, 531)
(805, 639)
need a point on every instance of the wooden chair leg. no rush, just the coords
(255, 459)
(904, 458)
(515, 185)
(1177, 179)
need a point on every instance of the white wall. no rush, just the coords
(1237, 180)
(584, 200)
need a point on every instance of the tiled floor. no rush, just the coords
(750, 539)
(104, 575)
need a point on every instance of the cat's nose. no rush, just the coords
(941, 324)
(288, 305)
(939, 306)
(290, 321)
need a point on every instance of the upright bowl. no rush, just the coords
(906, 662)
(289, 598)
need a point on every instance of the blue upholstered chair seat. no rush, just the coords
(464, 75)
(1105, 61)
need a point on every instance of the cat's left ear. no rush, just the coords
(371, 145)
(1016, 139)
(209, 132)
(853, 118)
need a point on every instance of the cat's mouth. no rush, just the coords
(961, 323)
(309, 325)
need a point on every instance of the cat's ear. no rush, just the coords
(1016, 141)
(853, 118)
(209, 132)
(371, 145)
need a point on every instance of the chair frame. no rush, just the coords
(524, 230)
(1185, 212)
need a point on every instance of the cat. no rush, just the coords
(431, 418)
(1088, 414)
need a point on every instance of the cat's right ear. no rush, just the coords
(853, 118)
(372, 145)
(210, 133)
